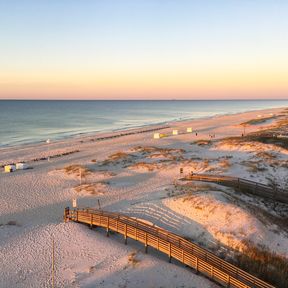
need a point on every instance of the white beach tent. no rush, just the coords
(189, 130)
(156, 136)
(21, 166)
(175, 132)
(9, 168)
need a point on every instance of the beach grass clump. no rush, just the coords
(191, 189)
(159, 150)
(266, 155)
(257, 121)
(205, 164)
(98, 188)
(118, 156)
(281, 142)
(145, 166)
(12, 223)
(254, 166)
(225, 163)
(145, 150)
(263, 263)
(202, 142)
(132, 259)
(76, 169)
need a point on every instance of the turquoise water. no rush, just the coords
(35, 121)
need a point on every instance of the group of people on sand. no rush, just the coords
(212, 136)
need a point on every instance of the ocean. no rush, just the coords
(32, 121)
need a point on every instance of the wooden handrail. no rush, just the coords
(251, 187)
(169, 243)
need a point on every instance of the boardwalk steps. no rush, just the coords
(245, 185)
(169, 243)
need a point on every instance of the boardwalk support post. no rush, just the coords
(107, 229)
(91, 221)
(170, 252)
(228, 281)
(66, 214)
(196, 266)
(125, 235)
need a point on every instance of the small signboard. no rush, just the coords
(74, 203)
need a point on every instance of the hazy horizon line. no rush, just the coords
(168, 99)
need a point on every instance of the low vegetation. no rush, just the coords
(152, 149)
(76, 170)
(118, 157)
(264, 264)
(98, 188)
(225, 163)
(257, 121)
(146, 166)
(254, 166)
(202, 142)
(132, 259)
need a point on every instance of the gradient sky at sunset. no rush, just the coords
(143, 49)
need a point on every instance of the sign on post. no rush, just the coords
(74, 203)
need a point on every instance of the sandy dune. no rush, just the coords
(137, 175)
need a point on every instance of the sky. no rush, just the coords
(143, 49)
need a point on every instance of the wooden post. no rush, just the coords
(196, 268)
(211, 272)
(169, 252)
(146, 245)
(125, 235)
(135, 234)
(76, 215)
(66, 213)
(91, 221)
(107, 230)
(228, 281)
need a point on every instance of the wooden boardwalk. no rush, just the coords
(244, 185)
(169, 243)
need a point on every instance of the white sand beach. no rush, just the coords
(138, 176)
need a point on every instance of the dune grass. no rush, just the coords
(264, 264)
(257, 121)
(202, 142)
(76, 169)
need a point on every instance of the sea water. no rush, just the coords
(36, 121)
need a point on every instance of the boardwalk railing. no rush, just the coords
(169, 243)
(244, 185)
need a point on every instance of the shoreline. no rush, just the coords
(42, 151)
(77, 136)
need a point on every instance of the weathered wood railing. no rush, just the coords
(169, 243)
(244, 185)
